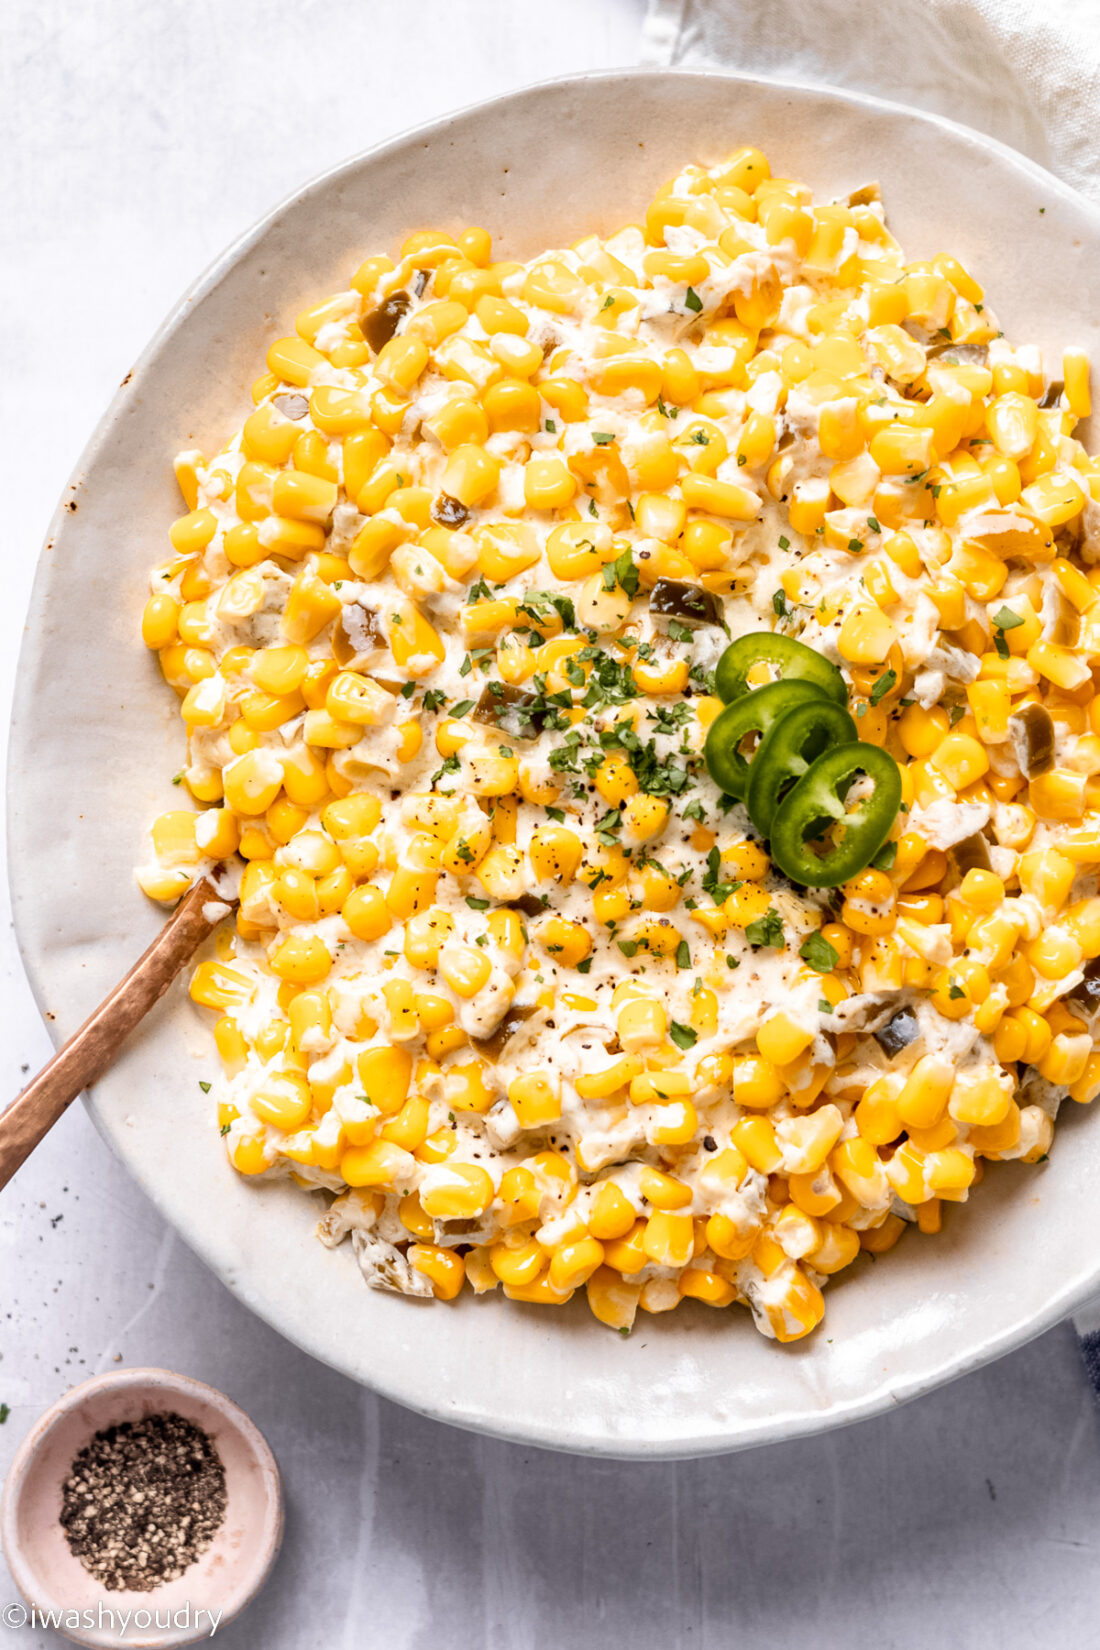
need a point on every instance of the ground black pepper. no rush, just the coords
(143, 1500)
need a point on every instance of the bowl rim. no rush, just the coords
(161, 1384)
(548, 1433)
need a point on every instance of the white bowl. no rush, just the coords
(213, 1590)
(96, 738)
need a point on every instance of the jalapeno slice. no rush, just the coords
(793, 661)
(787, 751)
(754, 713)
(816, 806)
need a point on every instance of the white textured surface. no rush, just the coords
(1024, 72)
(970, 1516)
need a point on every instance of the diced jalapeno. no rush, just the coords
(791, 660)
(522, 715)
(356, 633)
(971, 854)
(516, 1016)
(786, 752)
(1031, 731)
(1086, 993)
(379, 325)
(449, 512)
(754, 713)
(816, 838)
(689, 603)
(900, 1030)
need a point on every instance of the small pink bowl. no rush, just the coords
(228, 1575)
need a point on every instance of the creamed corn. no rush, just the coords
(508, 976)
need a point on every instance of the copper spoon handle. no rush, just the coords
(88, 1053)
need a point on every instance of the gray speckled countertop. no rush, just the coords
(138, 137)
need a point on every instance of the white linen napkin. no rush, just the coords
(1027, 72)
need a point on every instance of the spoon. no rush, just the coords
(89, 1051)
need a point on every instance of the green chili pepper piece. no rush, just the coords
(753, 714)
(792, 661)
(800, 845)
(791, 745)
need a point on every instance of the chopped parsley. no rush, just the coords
(451, 764)
(779, 605)
(718, 890)
(818, 954)
(622, 572)
(767, 931)
(683, 955)
(541, 605)
(882, 687)
(607, 827)
(656, 776)
(565, 758)
(1004, 620)
(683, 1036)
(692, 300)
(609, 683)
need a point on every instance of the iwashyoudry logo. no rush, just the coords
(107, 1619)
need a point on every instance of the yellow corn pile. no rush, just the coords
(508, 976)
